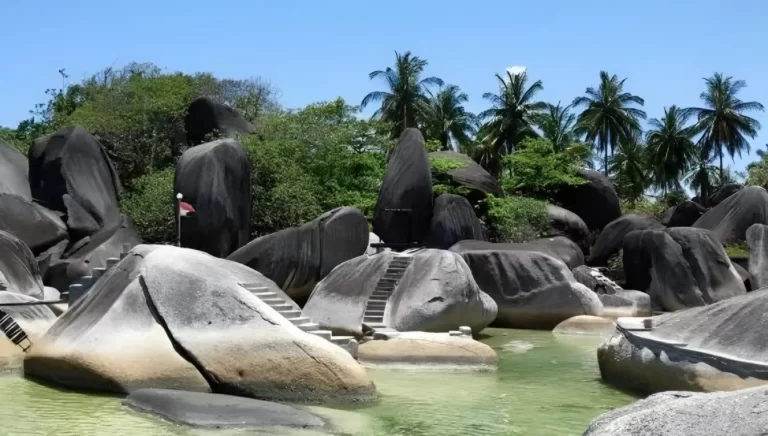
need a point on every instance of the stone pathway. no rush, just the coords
(377, 302)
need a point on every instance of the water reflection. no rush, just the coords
(551, 387)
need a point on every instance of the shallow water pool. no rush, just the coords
(545, 385)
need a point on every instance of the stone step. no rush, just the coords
(381, 293)
(379, 298)
(282, 307)
(370, 319)
(376, 325)
(112, 261)
(385, 281)
(98, 272)
(309, 326)
(376, 305)
(396, 277)
(290, 313)
(264, 294)
(273, 300)
(299, 320)
(370, 313)
(325, 334)
(386, 287)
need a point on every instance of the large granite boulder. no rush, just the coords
(454, 220)
(206, 117)
(559, 247)
(716, 347)
(34, 320)
(532, 289)
(18, 269)
(174, 318)
(215, 179)
(436, 293)
(617, 302)
(199, 409)
(595, 201)
(730, 219)
(70, 172)
(14, 172)
(723, 193)
(298, 257)
(404, 207)
(563, 222)
(685, 214)
(469, 173)
(686, 413)
(39, 227)
(65, 264)
(757, 239)
(611, 239)
(679, 267)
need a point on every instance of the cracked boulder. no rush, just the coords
(174, 318)
(436, 293)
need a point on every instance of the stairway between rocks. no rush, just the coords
(14, 332)
(80, 287)
(377, 302)
(288, 310)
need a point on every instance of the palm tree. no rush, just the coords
(629, 165)
(404, 104)
(512, 115)
(557, 126)
(722, 121)
(608, 118)
(447, 120)
(703, 175)
(671, 148)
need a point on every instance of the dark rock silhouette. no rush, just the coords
(685, 214)
(730, 219)
(404, 207)
(298, 257)
(38, 227)
(206, 117)
(611, 239)
(471, 174)
(215, 179)
(563, 222)
(454, 220)
(723, 193)
(595, 202)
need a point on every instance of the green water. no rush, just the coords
(545, 386)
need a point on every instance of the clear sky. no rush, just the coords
(319, 50)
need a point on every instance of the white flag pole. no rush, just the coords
(178, 219)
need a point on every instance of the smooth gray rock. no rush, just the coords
(757, 239)
(18, 268)
(207, 117)
(680, 267)
(215, 179)
(723, 193)
(14, 172)
(595, 201)
(40, 228)
(563, 222)
(685, 214)
(611, 238)
(436, 294)
(559, 247)
(217, 410)
(174, 318)
(531, 289)
(453, 220)
(730, 219)
(738, 413)
(297, 258)
(407, 187)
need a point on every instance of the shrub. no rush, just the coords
(516, 219)
(739, 249)
(644, 206)
(149, 201)
(536, 170)
(442, 182)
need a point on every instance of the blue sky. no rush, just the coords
(313, 50)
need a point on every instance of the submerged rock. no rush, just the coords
(200, 409)
(404, 206)
(436, 293)
(730, 219)
(680, 267)
(297, 258)
(173, 318)
(585, 325)
(454, 220)
(531, 289)
(206, 117)
(216, 180)
(685, 414)
(427, 351)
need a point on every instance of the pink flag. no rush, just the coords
(185, 208)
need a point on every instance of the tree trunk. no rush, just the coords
(605, 168)
(721, 168)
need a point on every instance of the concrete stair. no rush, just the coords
(288, 310)
(377, 302)
(79, 288)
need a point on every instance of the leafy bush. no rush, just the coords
(149, 201)
(536, 170)
(643, 206)
(516, 219)
(739, 249)
(442, 182)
